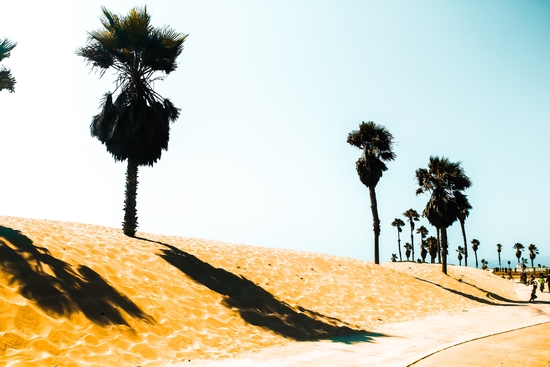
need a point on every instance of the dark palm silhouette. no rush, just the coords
(412, 216)
(460, 251)
(398, 223)
(519, 248)
(432, 248)
(259, 307)
(376, 143)
(484, 264)
(533, 252)
(499, 249)
(7, 81)
(393, 258)
(69, 290)
(408, 248)
(423, 232)
(443, 180)
(463, 212)
(475, 246)
(135, 125)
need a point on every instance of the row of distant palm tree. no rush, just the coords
(533, 252)
(444, 181)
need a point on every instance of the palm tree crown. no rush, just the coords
(533, 252)
(134, 126)
(7, 81)
(475, 246)
(519, 248)
(376, 143)
(444, 180)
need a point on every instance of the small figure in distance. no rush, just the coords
(533, 293)
(541, 282)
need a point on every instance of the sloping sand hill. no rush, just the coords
(74, 294)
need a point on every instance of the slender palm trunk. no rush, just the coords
(412, 241)
(444, 249)
(375, 224)
(465, 243)
(130, 212)
(438, 245)
(475, 253)
(499, 265)
(399, 244)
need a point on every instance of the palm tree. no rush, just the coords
(423, 232)
(519, 248)
(463, 212)
(423, 251)
(499, 249)
(398, 223)
(412, 216)
(393, 258)
(408, 248)
(460, 251)
(443, 180)
(484, 264)
(376, 142)
(533, 252)
(475, 246)
(7, 81)
(134, 126)
(432, 248)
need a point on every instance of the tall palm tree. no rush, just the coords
(376, 143)
(412, 216)
(533, 252)
(519, 248)
(134, 126)
(460, 251)
(432, 248)
(443, 180)
(7, 81)
(475, 246)
(463, 212)
(398, 223)
(499, 249)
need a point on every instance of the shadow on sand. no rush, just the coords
(259, 307)
(70, 289)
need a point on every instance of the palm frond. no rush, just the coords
(6, 46)
(7, 81)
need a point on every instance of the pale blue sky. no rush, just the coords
(268, 92)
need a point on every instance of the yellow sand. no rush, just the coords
(74, 294)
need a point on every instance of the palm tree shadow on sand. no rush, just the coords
(69, 290)
(259, 307)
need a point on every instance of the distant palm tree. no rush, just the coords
(423, 251)
(464, 207)
(412, 216)
(432, 248)
(484, 264)
(7, 81)
(443, 180)
(475, 246)
(533, 252)
(519, 248)
(499, 249)
(393, 258)
(423, 232)
(460, 251)
(376, 143)
(135, 125)
(398, 223)
(408, 248)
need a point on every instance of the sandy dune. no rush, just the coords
(74, 294)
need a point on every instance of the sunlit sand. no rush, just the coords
(75, 294)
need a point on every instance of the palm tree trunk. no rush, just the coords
(399, 244)
(412, 241)
(499, 265)
(375, 224)
(130, 212)
(475, 253)
(444, 249)
(438, 231)
(465, 243)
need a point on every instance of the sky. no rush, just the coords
(269, 91)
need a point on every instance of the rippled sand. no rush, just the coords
(75, 294)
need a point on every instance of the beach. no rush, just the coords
(75, 294)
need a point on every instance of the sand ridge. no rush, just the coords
(75, 294)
